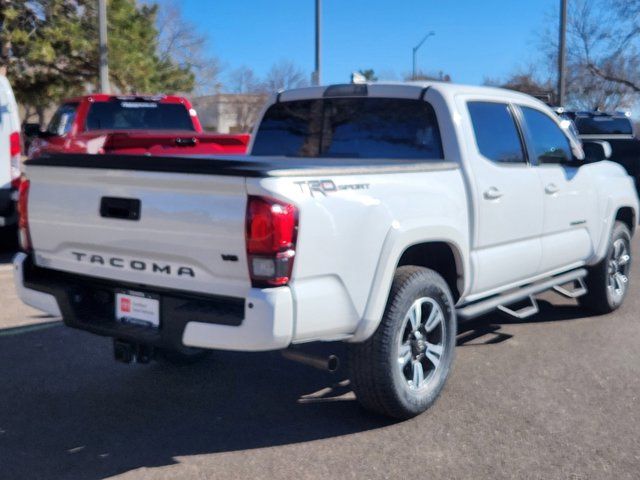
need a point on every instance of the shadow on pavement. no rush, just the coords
(6, 257)
(8, 248)
(67, 410)
(487, 330)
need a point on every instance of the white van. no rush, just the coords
(10, 150)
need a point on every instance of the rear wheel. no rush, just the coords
(608, 281)
(402, 368)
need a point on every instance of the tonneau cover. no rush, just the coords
(245, 166)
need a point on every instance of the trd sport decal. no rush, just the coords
(328, 186)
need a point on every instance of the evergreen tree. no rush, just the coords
(49, 50)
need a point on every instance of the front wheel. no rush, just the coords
(401, 369)
(608, 281)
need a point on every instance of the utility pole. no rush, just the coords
(316, 73)
(415, 50)
(562, 53)
(104, 62)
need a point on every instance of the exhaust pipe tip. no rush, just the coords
(330, 363)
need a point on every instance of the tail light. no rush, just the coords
(23, 216)
(14, 153)
(272, 228)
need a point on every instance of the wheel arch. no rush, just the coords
(443, 254)
(627, 215)
(440, 256)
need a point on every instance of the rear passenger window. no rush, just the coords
(496, 133)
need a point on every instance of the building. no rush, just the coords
(229, 112)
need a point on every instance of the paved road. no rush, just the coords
(556, 396)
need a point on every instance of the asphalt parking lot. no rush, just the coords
(554, 396)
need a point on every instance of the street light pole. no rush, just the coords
(316, 73)
(104, 62)
(415, 50)
(562, 53)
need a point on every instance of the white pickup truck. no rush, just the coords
(376, 214)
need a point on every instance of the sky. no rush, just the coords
(473, 39)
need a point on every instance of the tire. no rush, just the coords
(602, 295)
(382, 382)
(186, 356)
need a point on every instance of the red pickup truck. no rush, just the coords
(129, 124)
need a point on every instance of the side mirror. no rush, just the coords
(32, 130)
(596, 151)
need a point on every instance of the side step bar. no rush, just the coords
(524, 312)
(481, 307)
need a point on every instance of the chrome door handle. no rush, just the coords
(551, 189)
(492, 193)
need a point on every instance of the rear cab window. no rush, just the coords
(119, 114)
(496, 132)
(363, 127)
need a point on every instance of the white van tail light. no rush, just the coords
(15, 150)
(23, 216)
(272, 228)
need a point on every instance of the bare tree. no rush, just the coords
(249, 92)
(388, 74)
(603, 64)
(421, 75)
(526, 81)
(605, 54)
(246, 99)
(245, 109)
(243, 80)
(369, 74)
(180, 40)
(614, 51)
(284, 75)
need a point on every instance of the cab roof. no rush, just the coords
(397, 89)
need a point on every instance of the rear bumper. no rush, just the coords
(261, 321)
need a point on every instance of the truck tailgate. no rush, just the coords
(189, 234)
(174, 143)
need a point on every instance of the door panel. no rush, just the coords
(570, 201)
(508, 199)
(570, 204)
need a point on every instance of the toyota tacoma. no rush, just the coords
(375, 214)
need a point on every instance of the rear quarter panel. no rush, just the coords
(351, 238)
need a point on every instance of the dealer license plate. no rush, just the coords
(138, 308)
